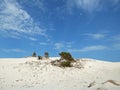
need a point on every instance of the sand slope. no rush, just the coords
(32, 74)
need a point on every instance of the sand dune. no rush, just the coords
(32, 74)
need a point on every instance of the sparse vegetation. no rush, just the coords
(46, 55)
(67, 56)
(65, 64)
(56, 63)
(68, 59)
(39, 57)
(34, 54)
(65, 60)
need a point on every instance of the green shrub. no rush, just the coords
(34, 54)
(39, 57)
(46, 54)
(66, 64)
(66, 55)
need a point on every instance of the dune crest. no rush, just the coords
(33, 74)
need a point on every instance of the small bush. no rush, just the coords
(46, 54)
(56, 63)
(39, 57)
(34, 54)
(66, 64)
(67, 56)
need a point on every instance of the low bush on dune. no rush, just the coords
(61, 63)
(65, 64)
(34, 54)
(65, 60)
(46, 55)
(68, 59)
(67, 56)
(39, 57)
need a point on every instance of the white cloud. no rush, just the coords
(32, 38)
(14, 21)
(115, 1)
(89, 5)
(12, 50)
(96, 36)
(69, 44)
(59, 45)
(44, 43)
(116, 46)
(116, 38)
(63, 45)
(89, 48)
(116, 42)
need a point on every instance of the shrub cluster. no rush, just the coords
(34, 54)
(67, 56)
(46, 55)
(68, 59)
(65, 64)
(65, 61)
(39, 57)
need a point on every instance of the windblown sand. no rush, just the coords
(32, 74)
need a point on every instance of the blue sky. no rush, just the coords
(85, 28)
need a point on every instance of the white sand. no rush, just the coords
(32, 74)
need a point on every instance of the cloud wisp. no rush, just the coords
(15, 21)
(63, 45)
(90, 5)
(16, 50)
(116, 42)
(116, 46)
(89, 48)
(44, 43)
(96, 35)
(59, 45)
